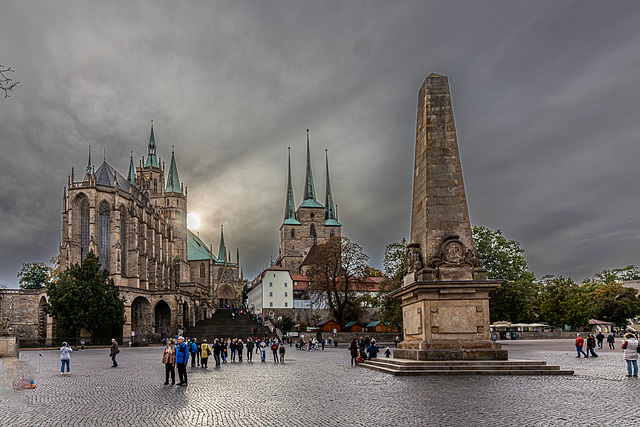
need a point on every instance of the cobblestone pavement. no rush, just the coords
(315, 389)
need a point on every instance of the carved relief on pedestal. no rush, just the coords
(453, 253)
(412, 318)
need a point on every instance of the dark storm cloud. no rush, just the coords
(545, 96)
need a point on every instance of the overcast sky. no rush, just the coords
(546, 97)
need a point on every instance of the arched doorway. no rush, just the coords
(185, 315)
(226, 296)
(42, 321)
(163, 319)
(140, 320)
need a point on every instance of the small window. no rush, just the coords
(293, 233)
(286, 294)
(271, 304)
(271, 284)
(286, 304)
(285, 284)
(270, 294)
(274, 274)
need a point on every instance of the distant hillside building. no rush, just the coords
(272, 289)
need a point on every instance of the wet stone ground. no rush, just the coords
(315, 389)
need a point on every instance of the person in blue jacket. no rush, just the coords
(182, 357)
(373, 350)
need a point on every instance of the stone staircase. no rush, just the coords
(222, 325)
(471, 367)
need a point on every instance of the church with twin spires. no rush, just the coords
(136, 225)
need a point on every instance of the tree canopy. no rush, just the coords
(84, 296)
(395, 269)
(340, 264)
(34, 275)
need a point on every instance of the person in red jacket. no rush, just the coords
(579, 344)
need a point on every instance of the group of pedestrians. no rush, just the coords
(360, 348)
(223, 350)
(65, 356)
(629, 345)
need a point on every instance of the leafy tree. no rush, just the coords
(340, 264)
(34, 275)
(630, 272)
(564, 302)
(372, 272)
(395, 269)
(615, 303)
(504, 259)
(85, 297)
(287, 323)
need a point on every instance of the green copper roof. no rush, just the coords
(309, 190)
(196, 249)
(290, 207)
(329, 213)
(222, 252)
(132, 170)
(311, 203)
(173, 180)
(152, 159)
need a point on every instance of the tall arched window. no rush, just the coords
(202, 270)
(155, 185)
(332, 234)
(84, 228)
(123, 240)
(103, 223)
(293, 233)
(312, 231)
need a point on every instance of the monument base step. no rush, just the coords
(402, 367)
(433, 354)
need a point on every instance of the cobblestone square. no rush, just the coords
(318, 388)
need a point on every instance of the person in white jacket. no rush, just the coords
(630, 346)
(65, 357)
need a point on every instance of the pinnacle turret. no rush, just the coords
(309, 199)
(222, 252)
(290, 207)
(132, 170)
(173, 180)
(330, 217)
(152, 159)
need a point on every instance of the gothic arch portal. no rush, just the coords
(163, 319)
(42, 320)
(141, 320)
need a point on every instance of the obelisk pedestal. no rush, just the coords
(445, 297)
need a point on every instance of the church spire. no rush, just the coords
(309, 191)
(89, 170)
(330, 217)
(222, 253)
(152, 159)
(132, 170)
(173, 181)
(290, 207)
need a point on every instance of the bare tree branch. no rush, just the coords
(6, 84)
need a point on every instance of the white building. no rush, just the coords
(273, 288)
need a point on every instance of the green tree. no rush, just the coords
(504, 259)
(564, 302)
(85, 297)
(615, 303)
(629, 272)
(34, 275)
(340, 264)
(394, 267)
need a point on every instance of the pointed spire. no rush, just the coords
(89, 163)
(152, 159)
(330, 217)
(309, 191)
(290, 207)
(222, 253)
(132, 170)
(173, 180)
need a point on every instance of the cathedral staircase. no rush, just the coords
(223, 325)
(459, 367)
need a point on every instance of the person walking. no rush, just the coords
(193, 348)
(274, 349)
(249, 349)
(239, 348)
(182, 357)
(610, 340)
(114, 350)
(630, 346)
(65, 357)
(281, 350)
(263, 350)
(233, 347)
(591, 344)
(217, 348)
(205, 353)
(169, 360)
(353, 348)
(579, 343)
(600, 338)
(373, 350)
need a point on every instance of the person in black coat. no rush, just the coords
(249, 349)
(217, 348)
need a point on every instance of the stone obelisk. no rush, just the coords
(445, 297)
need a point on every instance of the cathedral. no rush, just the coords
(136, 225)
(310, 225)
